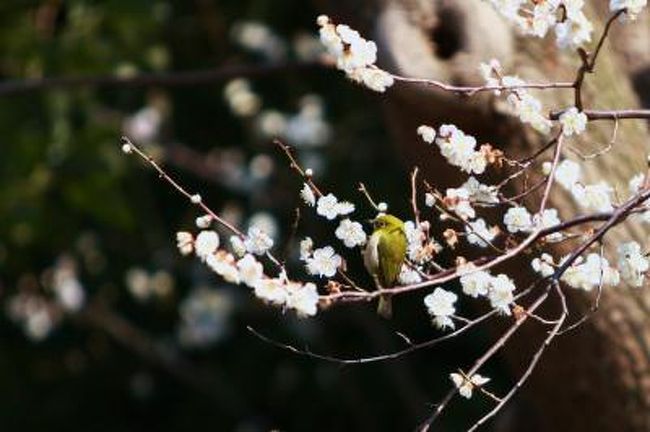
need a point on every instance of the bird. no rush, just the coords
(384, 255)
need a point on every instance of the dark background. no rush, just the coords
(67, 189)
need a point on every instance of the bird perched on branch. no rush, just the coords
(384, 255)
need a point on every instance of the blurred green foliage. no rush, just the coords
(67, 189)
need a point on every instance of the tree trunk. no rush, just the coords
(596, 378)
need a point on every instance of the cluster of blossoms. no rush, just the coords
(145, 286)
(460, 149)
(565, 17)
(34, 313)
(307, 128)
(584, 273)
(522, 103)
(597, 196)
(633, 7)
(354, 55)
(241, 267)
(499, 290)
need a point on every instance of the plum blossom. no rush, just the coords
(303, 299)
(568, 173)
(573, 122)
(474, 283)
(206, 244)
(354, 55)
(634, 7)
(257, 241)
(589, 273)
(632, 263)
(517, 219)
(427, 133)
(324, 262)
(466, 386)
(250, 270)
(184, 242)
(272, 291)
(307, 195)
(596, 197)
(500, 293)
(351, 233)
(440, 305)
(460, 149)
(479, 234)
(543, 265)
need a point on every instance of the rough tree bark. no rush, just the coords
(597, 378)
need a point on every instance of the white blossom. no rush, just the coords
(344, 208)
(480, 192)
(574, 32)
(429, 199)
(427, 133)
(479, 234)
(328, 206)
(376, 79)
(206, 244)
(573, 122)
(257, 241)
(250, 270)
(466, 386)
(500, 293)
(303, 299)
(237, 245)
(529, 110)
(636, 183)
(408, 276)
(544, 18)
(184, 242)
(543, 265)
(474, 283)
(415, 237)
(195, 199)
(223, 265)
(351, 233)
(567, 174)
(632, 263)
(595, 196)
(241, 99)
(590, 273)
(440, 305)
(272, 291)
(204, 221)
(517, 219)
(489, 72)
(460, 149)
(324, 262)
(634, 7)
(306, 248)
(307, 195)
(549, 218)
(457, 201)
(354, 55)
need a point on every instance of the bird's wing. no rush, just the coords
(392, 252)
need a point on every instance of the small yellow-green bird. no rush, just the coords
(384, 256)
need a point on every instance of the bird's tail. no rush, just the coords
(385, 306)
